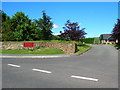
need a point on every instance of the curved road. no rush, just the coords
(97, 68)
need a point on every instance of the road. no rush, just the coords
(97, 68)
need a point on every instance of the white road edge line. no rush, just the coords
(41, 70)
(85, 78)
(13, 65)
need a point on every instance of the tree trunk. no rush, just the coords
(118, 41)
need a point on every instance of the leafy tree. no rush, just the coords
(45, 25)
(18, 28)
(54, 37)
(6, 26)
(72, 31)
(24, 28)
(3, 16)
(0, 25)
(7, 34)
(116, 31)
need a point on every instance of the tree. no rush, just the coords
(116, 31)
(24, 28)
(6, 27)
(18, 28)
(3, 16)
(72, 31)
(45, 25)
(54, 37)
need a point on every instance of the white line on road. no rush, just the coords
(86, 78)
(41, 70)
(13, 65)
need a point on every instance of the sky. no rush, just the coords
(97, 17)
(60, 0)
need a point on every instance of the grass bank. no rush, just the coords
(59, 41)
(47, 51)
(116, 46)
(82, 48)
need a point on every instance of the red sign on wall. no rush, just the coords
(28, 44)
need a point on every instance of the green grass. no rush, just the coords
(59, 41)
(116, 45)
(113, 45)
(47, 51)
(82, 48)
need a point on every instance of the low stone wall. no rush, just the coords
(12, 45)
(66, 47)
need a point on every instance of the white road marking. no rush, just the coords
(86, 78)
(41, 70)
(13, 65)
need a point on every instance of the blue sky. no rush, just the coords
(60, 0)
(97, 17)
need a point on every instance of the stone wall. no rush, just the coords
(12, 45)
(66, 47)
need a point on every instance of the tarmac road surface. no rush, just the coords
(97, 68)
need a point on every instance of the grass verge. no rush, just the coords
(116, 46)
(82, 48)
(59, 41)
(47, 51)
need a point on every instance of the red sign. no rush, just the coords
(28, 44)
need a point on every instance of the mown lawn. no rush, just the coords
(47, 51)
(82, 48)
(116, 46)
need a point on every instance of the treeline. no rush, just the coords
(20, 28)
(116, 31)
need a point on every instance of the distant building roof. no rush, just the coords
(107, 37)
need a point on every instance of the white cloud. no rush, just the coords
(79, 24)
(56, 34)
(55, 26)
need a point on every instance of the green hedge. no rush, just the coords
(88, 40)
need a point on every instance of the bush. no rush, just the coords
(56, 37)
(88, 40)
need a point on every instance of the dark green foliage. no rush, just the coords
(7, 34)
(56, 37)
(20, 28)
(6, 27)
(45, 25)
(116, 31)
(3, 16)
(24, 29)
(88, 40)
